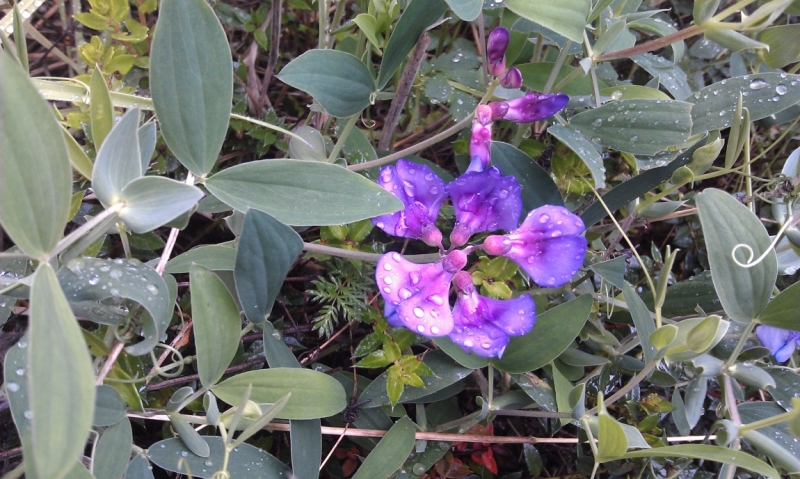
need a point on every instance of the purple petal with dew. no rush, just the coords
(484, 201)
(390, 313)
(496, 44)
(422, 193)
(780, 342)
(480, 145)
(532, 107)
(483, 325)
(418, 294)
(548, 245)
(512, 78)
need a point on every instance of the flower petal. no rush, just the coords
(422, 193)
(484, 201)
(418, 294)
(531, 107)
(514, 316)
(512, 79)
(548, 245)
(484, 340)
(780, 342)
(496, 46)
(481, 141)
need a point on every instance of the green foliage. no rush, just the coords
(343, 294)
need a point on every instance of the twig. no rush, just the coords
(403, 89)
(652, 45)
(167, 383)
(112, 359)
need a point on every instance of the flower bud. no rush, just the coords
(454, 261)
(496, 245)
(496, 50)
(512, 78)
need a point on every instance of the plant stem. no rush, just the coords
(84, 228)
(371, 257)
(651, 45)
(562, 56)
(348, 127)
(748, 329)
(640, 376)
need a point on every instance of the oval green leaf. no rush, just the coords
(710, 453)
(101, 112)
(153, 201)
(337, 80)
(119, 160)
(567, 17)
(59, 427)
(113, 451)
(214, 257)
(763, 94)
(216, 324)
(390, 453)
(642, 127)
(553, 332)
(314, 394)
(784, 310)
(467, 10)
(306, 437)
(35, 173)
(537, 187)
(172, 455)
(585, 150)
(266, 251)
(191, 81)
(302, 193)
(109, 408)
(744, 292)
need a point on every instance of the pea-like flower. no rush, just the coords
(422, 193)
(481, 142)
(484, 201)
(482, 325)
(548, 245)
(531, 107)
(780, 342)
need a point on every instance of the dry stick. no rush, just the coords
(333, 449)
(403, 89)
(430, 436)
(274, 43)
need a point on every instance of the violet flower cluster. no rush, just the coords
(548, 244)
(780, 342)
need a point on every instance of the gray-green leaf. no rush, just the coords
(567, 17)
(390, 453)
(172, 455)
(153, 201)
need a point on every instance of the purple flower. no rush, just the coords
(484, 201)
(548, 245)
(531, 107)
(417, 295)
(496, 50)
(422, 193)
(482, 325)
(780, 342)
(481, 142)
(512, 78)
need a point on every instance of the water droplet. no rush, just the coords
(105, 268)
(758, 84)
(115, 273)
(597, 122)
(13, 387)
(28, 414)
(544, 218)
(151, 288)
(163, 446)
(634, 137)
(22, 344)
(418, 312)
(405, 293)
(434, 330)
(184, 454)
(421, 328)
(387, 280)
(20, 372)
(94, 279)
(208, 463)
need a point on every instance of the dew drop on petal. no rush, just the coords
(421, 328)
(418, 312)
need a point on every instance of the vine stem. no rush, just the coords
(348, 127)
(424, 435)
(651, 45)
(640, 376)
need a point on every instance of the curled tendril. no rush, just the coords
(750, 263)
(162, 370)
(221, 475)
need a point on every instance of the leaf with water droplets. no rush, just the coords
(775, 441)
(642, 127)
(671, 76)
(244, 462)
(95, 279)
(710, 453)
(566, 17)
(113, 450)
(787, 386)
(585, 150)
(538, 189)
(763, 94)
(390, 453)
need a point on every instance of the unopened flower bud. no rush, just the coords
(496, 46)
(512, 78)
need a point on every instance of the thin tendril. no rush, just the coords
(750, 263)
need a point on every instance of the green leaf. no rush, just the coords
(276, 351)
(627, 191)
(191, 438)
(612, 271)
(744, 292)
(390, 453)
(585, 150)
(611, 439)
(369, 25)
(266, 251)
(118, 161)
(302, 193)
(101, 111)
(643, 127)
(467, 10)
(553, 332)
(113, 450)
(784, 310)
(337, 80)
(703, 10)
(18, 394)
(172, 455)
(77, 157)
(416, 18)
(109, 408)
(536, 75)
(191, 82)
(663, 336)
(752, 375)
(704, 337)
(213, 257)
(784, 45)
(59, 428)
(763, 94)
(314, 394)
(787, 383)
(139, 468)
(733, 41)
(538, 188)
(663, 29)
(313, 149)
(88, 279)
(567, 17)
(445, 373)
(35, 176)
(154, 201)
(216, 324)
(669, 75)
(463, 358)
(306, 437)
(147, 143)
(710, 453)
